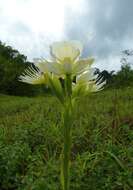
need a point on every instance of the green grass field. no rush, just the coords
(102, 150)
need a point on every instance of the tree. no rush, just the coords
(12, 64)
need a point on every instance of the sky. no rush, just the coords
(105, 27)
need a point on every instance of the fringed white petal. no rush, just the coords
(48, 66)
(100, 86)
(32, 76)
(95, 87)
(41, 64)
(90, 80)
(87, 76)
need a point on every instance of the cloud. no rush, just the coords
(105, 27)
(30, 25)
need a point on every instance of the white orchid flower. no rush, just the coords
(66, 58)
(66, 64)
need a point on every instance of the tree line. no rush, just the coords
(13, 63)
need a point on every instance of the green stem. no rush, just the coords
(68, 86)
(67, 147)
(67, 134)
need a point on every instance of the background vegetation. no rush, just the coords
(31, 142)
(31, 138)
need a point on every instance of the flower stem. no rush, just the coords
(67, 134)
(67, 147)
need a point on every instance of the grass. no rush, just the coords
(31, 142)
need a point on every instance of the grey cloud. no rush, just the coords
(108, 21)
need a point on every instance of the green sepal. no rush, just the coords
(79, 90)
(56, 87)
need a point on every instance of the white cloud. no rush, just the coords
(31, 24)
(40, 16)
